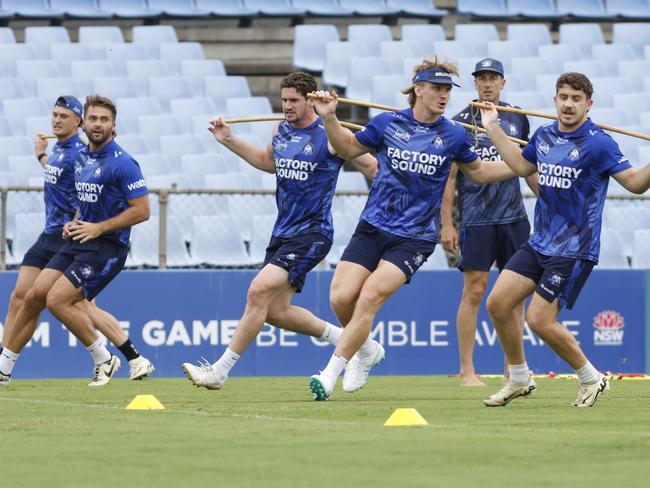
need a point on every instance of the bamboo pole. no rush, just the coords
(271, 118)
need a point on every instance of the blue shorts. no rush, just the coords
(44, 249)
(92, 265)
(369, 245)
(556, 277)
(482, 245)
(298, 255)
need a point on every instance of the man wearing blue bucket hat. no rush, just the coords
(60, 206)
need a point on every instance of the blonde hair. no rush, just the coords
(423, 66)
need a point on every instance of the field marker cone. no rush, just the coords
(145, 402)
(405, 416)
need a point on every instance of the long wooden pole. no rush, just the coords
(361, 103)
(611, 128)
(272, 118)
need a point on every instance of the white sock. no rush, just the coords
(335, 367)
(332, 333)
(519, 373)
(7, 361)
(587, 375)
(227, 361)
(368, 347)
(99, 352)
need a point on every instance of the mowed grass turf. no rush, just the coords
(267, 432)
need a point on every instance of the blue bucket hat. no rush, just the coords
(438, 76)
(71, 103)
(489, 64)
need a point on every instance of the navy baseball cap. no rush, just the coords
(71, 103)
(489, 64)
(438, 76)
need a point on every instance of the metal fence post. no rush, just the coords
(3, 229)
(163, 200)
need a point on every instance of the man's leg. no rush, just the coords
(474, 285)
(24, 323)
(346, 285)
(26, 277)
(379, 286)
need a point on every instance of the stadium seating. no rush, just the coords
(629, 9)
(42, 37)
(129, 9)
(219, 88)
(176, 146)
(11, 88)
(418, 8)
(196, 70)
(100, 34)
(178, 8)
(32, 9)
(583, 35)
(153, 163)
(17, 109)
(534, 35)
(612, 254)
(175, 53)
(424, 34)
(49, 89)
(26, 229)
(337, 59)
(83, 9)
(641, 250)
(5, 127)
(504, 51)
(309, 45)
(142, 71)
(274, 8)
(535, 9)
(326, 8)
(487, 9)
(361, 72)
(369, 7)
(636, 34)
(262, 225)
(584, 9)
(225, 247)
(370, 35)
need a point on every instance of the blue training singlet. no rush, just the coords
(105, 181)
(414, 161)
(496, 203)
(59, 192)
(306, 174)
(573, 174)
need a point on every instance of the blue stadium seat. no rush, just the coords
(218, 88)
(248, 106)
(170, 180)
(30, 71)
(151, 127)
(504, 51)
(14, 146)
(325, 8)
(629, 9)
(46, 35)
(605, 87)
(360, 78)
(453, 50)
(64, 53)
(133, 143)
(176, 146)
(100, 34)
(153, 35)
(136, 106)
(557, 54)
(591, 69)
(337, 61)
(584, 35)
(274, 8)
(178, 8)
(384, 88)
(175, 53)
(153, 164)
(119, 54)
(141, 71)
(129, 9)
(309, 45)
(84, 9)
(609, 116)
(534, 35)
(612, 254)
(351, 181)
(7, 35)
(228, 9)
(530, 66)
(635, 71)
(425, 34)
(49, 89)
(86, 71)
(11, 88)
(166, 88)
(228, 181)
(28, 226)
(10, 53)
(535, 9)
(36, 124)
(186, 108)
(488, 9)
(196, 70)
(24, 167)
(262, 226)
(475, 33)
(418, 8)
(370, 35)
(527, 98)
(31, 9)
(369, 7)
(400, 49)
(636, 34)
(546, 84)
(223, 248)
(5, 127)
(196, 166)
(114, 87)
(584, 9)
(612, 54)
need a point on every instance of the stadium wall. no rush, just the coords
(176, 316)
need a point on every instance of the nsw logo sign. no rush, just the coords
(608, 327)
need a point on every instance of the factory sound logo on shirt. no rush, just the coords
(609, 326)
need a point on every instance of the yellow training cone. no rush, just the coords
(145, 402)
(405, 416)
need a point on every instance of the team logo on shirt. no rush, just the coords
(512, 128)
(438, 142)
(86, 271)
(574, 154)
(405, 136)
(97, 172)
(61, 157)
(309, 149)
(543, 147)
(609, 326)
(291, 257)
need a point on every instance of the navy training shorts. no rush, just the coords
(482, 245)
(44, 249)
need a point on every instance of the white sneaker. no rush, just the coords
(5, 379)
(358, 369)
(509, 392)
(588, 394)
(104, 372)
(321, 386)
(139, 368)
(204, 375)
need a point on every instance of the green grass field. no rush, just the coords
(267, 432)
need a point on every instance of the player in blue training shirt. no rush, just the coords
(398, 229)
(306, 170)
(574, 160)
(33, 281)
(493, 221)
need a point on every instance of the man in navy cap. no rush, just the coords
(493, 221)
(34, 280)
(398, 229)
